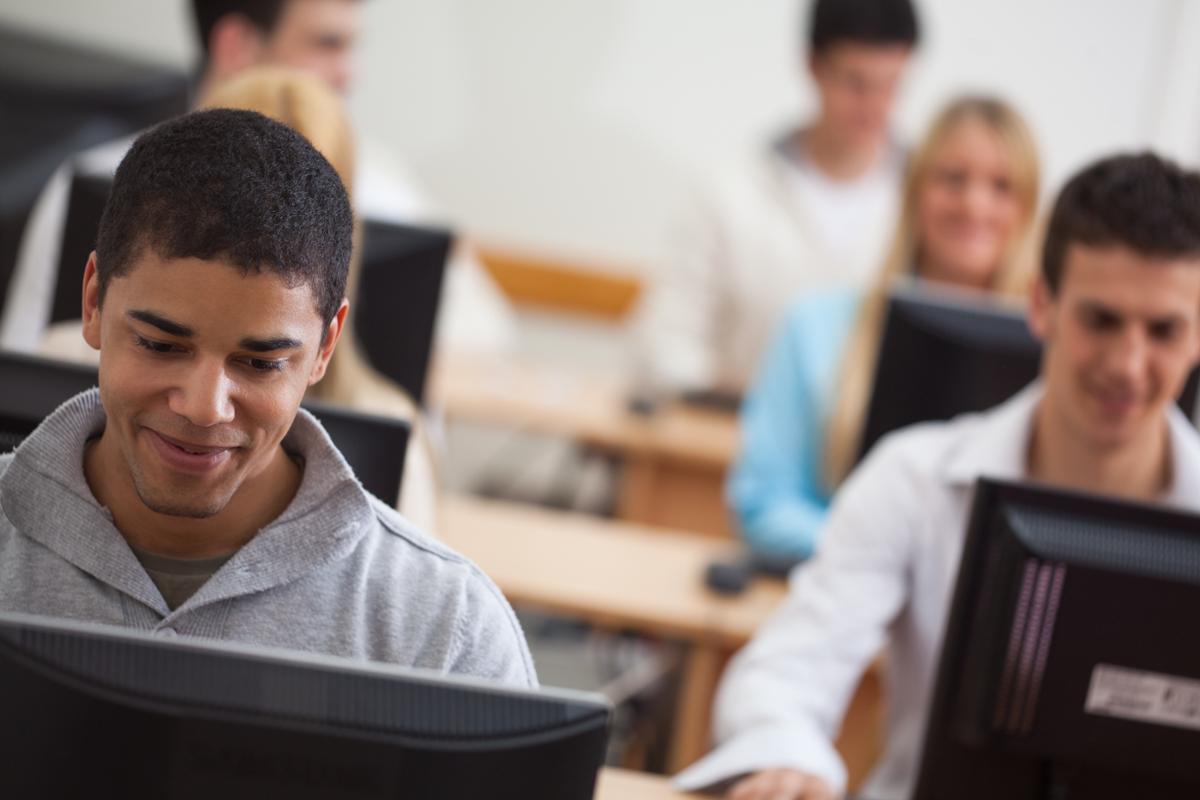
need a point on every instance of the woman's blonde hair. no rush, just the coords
(1012, 278)
(299, 100)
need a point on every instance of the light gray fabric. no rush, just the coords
(337, 572)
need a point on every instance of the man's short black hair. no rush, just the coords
(1143, 202)
(872, 22)
(264, 14)
(235, 186)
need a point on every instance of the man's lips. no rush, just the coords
(188, 456)
(192, 447)
(1115, 402)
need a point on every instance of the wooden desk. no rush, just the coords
(673, 461)
(618, 576)
(620, 784)
(624, 576)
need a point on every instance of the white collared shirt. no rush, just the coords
(884, 575)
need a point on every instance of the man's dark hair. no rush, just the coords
(264, 14)
(872, 22)
(1143, 202)
(235, 186)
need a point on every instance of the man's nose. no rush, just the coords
(1128, 352)
(204, 396)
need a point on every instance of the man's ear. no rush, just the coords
(332, 334)
(812, 65)
(234, 44)
(1041, 309)
(91, 303)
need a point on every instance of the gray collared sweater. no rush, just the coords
(337, 572)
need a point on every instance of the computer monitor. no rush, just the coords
(948, 353)
(374, 446)
(399, 292)
(92, 710)
(89, 193)
(1070, 666)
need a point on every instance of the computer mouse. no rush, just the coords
(728, 576)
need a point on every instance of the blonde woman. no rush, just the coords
(306, 104)
(967, 214)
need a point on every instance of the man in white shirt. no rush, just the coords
(318, 36)
(1117, 307)
(812, 210)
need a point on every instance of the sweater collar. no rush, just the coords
(46, 496)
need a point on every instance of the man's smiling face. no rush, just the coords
(202, 369)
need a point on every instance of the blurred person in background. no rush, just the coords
(812, 210)
(317, 36)
(1117, 309)
(966, 221)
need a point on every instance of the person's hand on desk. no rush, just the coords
(780, 784)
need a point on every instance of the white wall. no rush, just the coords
(575, 126)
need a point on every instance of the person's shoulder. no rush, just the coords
(432, 558)
(820, 305)
(919, 453)
(743, 182)
(397, 531)
(6, 459)
(821, 318)
(490, 642)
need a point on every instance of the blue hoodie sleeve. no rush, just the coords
(776, 488)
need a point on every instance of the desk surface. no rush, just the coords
(613, 574)
(619, 784)
(588, 408)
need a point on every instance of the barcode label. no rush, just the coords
(1144, 697)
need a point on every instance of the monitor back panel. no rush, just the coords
(89, 193)
(399, 291)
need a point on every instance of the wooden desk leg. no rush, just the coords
(693, 711)
(651, 491)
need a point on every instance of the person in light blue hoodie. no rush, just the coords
(968, 206)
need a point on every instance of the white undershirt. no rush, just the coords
(842, 211)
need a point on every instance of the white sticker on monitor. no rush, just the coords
(1144, 697)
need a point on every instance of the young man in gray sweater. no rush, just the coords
(190, 494)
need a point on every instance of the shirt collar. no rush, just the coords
(1000, 446)
(1000, 449)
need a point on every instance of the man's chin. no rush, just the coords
(187, 508)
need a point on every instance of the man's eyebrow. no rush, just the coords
(162, 323)
(269, 345)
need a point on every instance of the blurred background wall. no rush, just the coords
(575, 126)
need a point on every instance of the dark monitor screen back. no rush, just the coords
(941, 356)
(89, 193)
(1064, 672)
(375, 447)
(138, 716)
(399, 291)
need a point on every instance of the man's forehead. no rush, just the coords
(1118, 265)
(215, 291)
